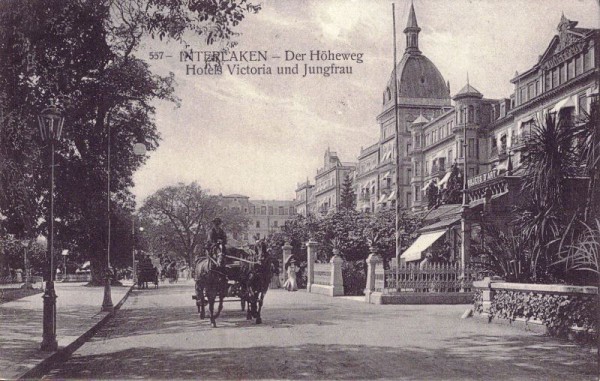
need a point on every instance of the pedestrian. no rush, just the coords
(290, 266)
(275, 283)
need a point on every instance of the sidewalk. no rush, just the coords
(78, 310)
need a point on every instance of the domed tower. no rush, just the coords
(468, 111)
(421, 91)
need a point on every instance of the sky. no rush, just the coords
(260, 135)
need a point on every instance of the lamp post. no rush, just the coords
(50, 123)
(139, 149)
(27, 284)
(140, 229)
(64, 254)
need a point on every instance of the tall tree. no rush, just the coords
(348, 197)
(179, 217)
(80, 55)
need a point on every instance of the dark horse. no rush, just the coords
(211, 282)
(257, 277)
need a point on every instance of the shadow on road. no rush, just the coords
(461, 359)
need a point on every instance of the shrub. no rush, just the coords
(355, 277)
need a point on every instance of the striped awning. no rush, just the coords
(424, 242)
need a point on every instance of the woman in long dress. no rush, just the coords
(291, 284)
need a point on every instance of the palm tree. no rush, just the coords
(550, 159)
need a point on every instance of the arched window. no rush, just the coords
(389, 94)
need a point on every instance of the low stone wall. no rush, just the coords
(558, 310)
(324, 278)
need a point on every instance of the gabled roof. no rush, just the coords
(420, 120)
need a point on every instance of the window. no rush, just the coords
(570, 69)
(408, 199)
(270, 210)
(417, 171)
(263, 210)
(578, 64)
(471, 113)
(587, 59)
(460, 149)
(281, 210)
(582, 104)
(257, 224)
(275, 224)
(450, 157)
(471, 172)
(252, 209)
(471, 147)
(408, 175)
(530, 91)
(523, 94)
(416, 193)
(548, 80)
(554, 78)
(408, 148)
(563, 73)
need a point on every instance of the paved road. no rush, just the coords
(158, 335)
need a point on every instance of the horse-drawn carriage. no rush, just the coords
(147, 273)
(240, 275)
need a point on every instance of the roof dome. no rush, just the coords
(418, 77)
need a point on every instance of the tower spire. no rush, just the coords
(412, 32)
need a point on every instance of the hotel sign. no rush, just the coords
(564, 55)
(479, 179)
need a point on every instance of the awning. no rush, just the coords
(392, 196)
(444, 179)
(565, 103)
(526, 120)
(381, 199)
(427, 185)
(414, 252)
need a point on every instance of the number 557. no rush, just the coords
(156, 55)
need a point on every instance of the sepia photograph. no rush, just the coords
(299, 190)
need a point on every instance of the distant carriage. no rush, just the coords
(147, 273)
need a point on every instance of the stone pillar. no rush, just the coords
(372, 262)
(487, 293)
(311, 255)
(287, 253)
(465, 257)
(337, 281)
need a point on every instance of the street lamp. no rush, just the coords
(141, 229)
(50, 123)
(64, 253)
(27, 285)
(139, 149)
